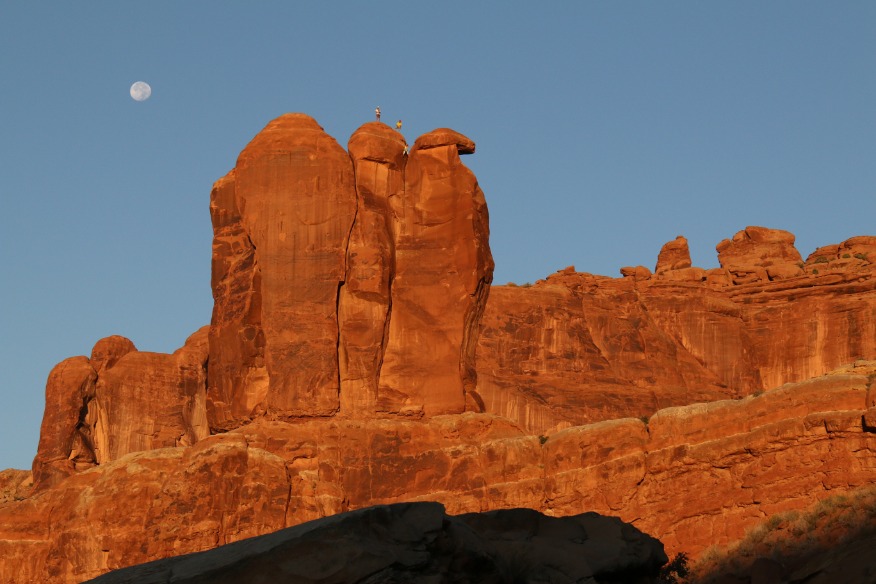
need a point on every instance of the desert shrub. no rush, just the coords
(820, 260)
(846, 256)
(676, 570)
(861, 256)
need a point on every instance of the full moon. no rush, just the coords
(141, 91)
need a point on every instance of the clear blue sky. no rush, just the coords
(603, 130)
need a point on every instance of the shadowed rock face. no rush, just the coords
(417, 542)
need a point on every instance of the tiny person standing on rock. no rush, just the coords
(377, 112)
(398, 125)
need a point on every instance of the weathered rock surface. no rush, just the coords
(745, 459)
(577, 348)
(15, 485)
(353, 359)
(378, 155)
(418, 542)
(675, 255)
(332, 271)
(120, 401)
(760, 254)
(443, 269)
(282, 221)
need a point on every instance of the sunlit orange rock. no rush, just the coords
(135, 401)
(353, 358)
(379, 156)
(674, 255)
(443, 270)
(760, 254)
(282, 223)
(743, 459)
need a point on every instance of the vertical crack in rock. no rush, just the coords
(377, 155)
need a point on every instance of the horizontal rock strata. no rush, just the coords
(744, 458)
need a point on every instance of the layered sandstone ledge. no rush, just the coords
(576, 348)
(692, 476)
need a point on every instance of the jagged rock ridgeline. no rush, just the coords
(577, 348)
(418, 542)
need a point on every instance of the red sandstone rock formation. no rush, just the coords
(577, 348)
(378, 154)
(443, 268)
(120, 401)
(344, 348)
(282, 221)
(743, 458)
(675, 255)
(760, 254)
(331, 272)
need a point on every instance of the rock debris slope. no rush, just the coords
(357, 355)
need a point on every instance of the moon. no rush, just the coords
(141, 91)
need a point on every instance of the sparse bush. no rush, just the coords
(820, 260)
(542, 439)
(676, 570)
(862, 256)
(526, 285)
(815, 272)
(846, 256)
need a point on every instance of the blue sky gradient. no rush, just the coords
(603, 130)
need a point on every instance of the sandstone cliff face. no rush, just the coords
(379, 159)
(120, 401)
(744, 458)
(292, 197)
(443, 268)
(613, 348)
(353, 358)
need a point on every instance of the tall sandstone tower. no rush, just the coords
(345, 283)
